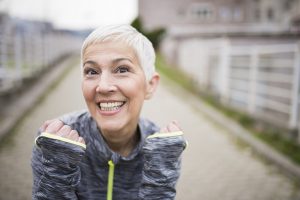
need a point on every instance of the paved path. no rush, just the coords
(215, 165)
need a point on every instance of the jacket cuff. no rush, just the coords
(162, 163)
(56, 137)
(60, 151)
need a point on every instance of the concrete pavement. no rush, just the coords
(215, 166)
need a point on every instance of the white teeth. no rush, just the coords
(109, 106)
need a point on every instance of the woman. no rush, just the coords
(109, 151)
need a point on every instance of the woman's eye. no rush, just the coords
(90, 72)
(122, 69)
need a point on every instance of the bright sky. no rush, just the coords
(76, 14)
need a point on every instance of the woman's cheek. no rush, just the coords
(88, 91)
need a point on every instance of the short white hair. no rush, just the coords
(125, 33)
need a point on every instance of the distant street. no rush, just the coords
(215, 165)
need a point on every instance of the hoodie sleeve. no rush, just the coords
(162, 163)
(55, 165)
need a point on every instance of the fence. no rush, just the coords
(262, 80)
(26, 48)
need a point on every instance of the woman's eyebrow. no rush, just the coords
(89, 62)
(116, 60)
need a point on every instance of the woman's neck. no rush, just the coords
(122, 145)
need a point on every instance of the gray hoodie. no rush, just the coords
(64, 170)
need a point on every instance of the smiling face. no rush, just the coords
(114, 87)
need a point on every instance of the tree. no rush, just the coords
(154, 36)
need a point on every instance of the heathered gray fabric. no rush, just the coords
(67, 171)
(162, 165)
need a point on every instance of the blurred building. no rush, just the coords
(244, 52)
(221, 16)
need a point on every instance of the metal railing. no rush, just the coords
(262, 80)
(27, 49)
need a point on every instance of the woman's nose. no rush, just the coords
(106, 84)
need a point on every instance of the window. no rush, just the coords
(225, 13)
(238, 14)
(270, 14)
(287, 4)
(257, 15)
(201, 11)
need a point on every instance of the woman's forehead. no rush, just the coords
(110, 50)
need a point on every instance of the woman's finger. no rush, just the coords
(173, 126)
(81, 140)
(46, 124)
(164, 130)
(54, 126)
(64, 131)
(73, 135)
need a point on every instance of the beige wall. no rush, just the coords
(167, 13)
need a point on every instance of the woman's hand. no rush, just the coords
(56, 161)
(171, 127)
(162, 161)
(58, 128)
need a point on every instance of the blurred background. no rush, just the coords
(246, 53)
(220, 60)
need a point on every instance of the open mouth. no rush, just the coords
(111, 106)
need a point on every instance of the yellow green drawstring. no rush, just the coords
(110, 183)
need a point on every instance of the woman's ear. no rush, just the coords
(152, 85)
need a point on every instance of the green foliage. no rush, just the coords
(154, 36)
(136, 23)
(286, 146)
